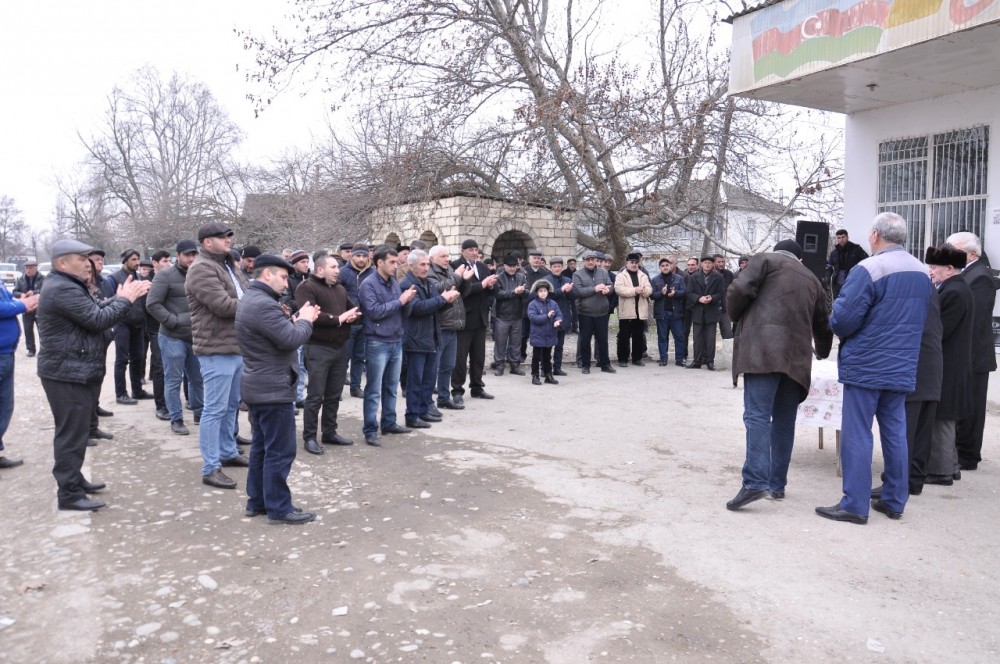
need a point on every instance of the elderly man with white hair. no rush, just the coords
(978, 275)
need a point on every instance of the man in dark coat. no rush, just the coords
(844, 256)
(470, 358)
(669, 290)
(325, 352)
(71, 361)
(28, 284)
(725, 322)
(268, 341)
(129, 335)
(957, 314)
(593, 286)
(779, 308)
(509, 310)
(704, 302)
(984, 361)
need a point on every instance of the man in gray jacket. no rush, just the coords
(592, 286)
(452, 320)
(269, 342)
(167, 303)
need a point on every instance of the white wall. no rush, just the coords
(866, 130)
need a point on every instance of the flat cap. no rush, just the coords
(346, 246)
(270, 260)
(710, 259)
(510, 259)
(589, 254)
(791, 246)
(145, 262)
(96, 252)
(469, 244)
(31, 263)
(250, 251)
(556, 259)
(535, 252)
(634, 256)
(64, 247)
(214, 229)
(187, 247)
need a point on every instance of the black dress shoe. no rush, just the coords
(97, 434)
(679, 363)
(142, 394)
(482, 394)
(126, 400)
(639, 363)
(535, 380)
(967, 466)
(372, 439)
(357, 393)
(459, 400)
(516, 370)
(559, 372)
(238, 461)
(10, 463)
(337, 440)
(877, 492)
(395, 428)
(433, 419)
(880, 506)
(608, 369)
(940, 480)
(585, 370)
(623, 364)
(104, 413)
(92, 487)
(414, 424)
(710, 366)
(778, 495)
(449, 404)
(745, 497)
(957, 475)
(293, 518)
(312, 447)
(836, 514)
(299, 405)
(163, 414)
(82, 505)
(694, 366)
(432, 411)
(240, 440)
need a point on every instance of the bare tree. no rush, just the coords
(12, 226)
(164, 158)
(538, 83)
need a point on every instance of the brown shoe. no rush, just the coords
(238, 461)
(219, 480)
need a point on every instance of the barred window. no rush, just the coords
(937, 183)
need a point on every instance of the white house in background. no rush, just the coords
(919, 81)
(747, 223)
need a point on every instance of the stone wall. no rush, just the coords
(451, 220)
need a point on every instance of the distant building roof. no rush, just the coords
(751, 10)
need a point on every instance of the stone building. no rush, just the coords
(498, 225)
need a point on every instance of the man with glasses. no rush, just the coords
(214, 285)
(71, 361)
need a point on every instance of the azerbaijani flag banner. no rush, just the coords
(797, 37)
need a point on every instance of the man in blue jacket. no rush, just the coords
(354, 272)
(669, 290)
(10, 333)
(879, 317)
(383, 306)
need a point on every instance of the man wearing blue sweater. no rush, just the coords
(10, 334)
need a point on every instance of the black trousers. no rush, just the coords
(128, 353)
(72, 405)
(525, 335)
(327, 367)
(594, 327)
(969, 438)
(919, 428)
(704, 342)
(541, 356)
(631, 337)
(469, 359)
(28, 322)
(156, 369)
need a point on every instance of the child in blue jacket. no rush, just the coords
(546, 319)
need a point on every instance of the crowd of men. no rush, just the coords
(275, 334)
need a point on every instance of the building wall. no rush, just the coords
(454, 219)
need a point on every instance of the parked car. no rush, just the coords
(9, 274)
(44, 269)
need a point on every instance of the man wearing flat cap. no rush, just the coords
(593, 287)
(511, 299)
(957, 314)
(130, 334)
(470, 358)
(71, 361)
(268, 341)
(704, 307)
(29, 283)
(214, 286)
(633, 289)
(343, 253)
(248, 255)
(352, 275)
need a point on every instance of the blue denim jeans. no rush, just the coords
(420, 383)
(6, 393)
(272, 452)
(664, 328)
(356, 354)
(447, 352)
(770, 402)
(300, 387)
(383, 362)
(179, 361)
(860, 406)
(217, 434)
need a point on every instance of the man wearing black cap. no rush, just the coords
(725, 323)
(344, 253)
(300, 272)
(160, 261)
(352, 275)
(214, 286)
(129, 334)
(704, 302)
(247, 258)
(779, 308)
(470, 358)
(512, 297)
(71, 361)
(167, 303)
(269, 340)
(633, 289)
(29, 283)
(593, 287)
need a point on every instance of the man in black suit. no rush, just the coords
(984, 292)
(471, 355)
(704, 305)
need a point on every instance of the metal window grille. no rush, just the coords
(952, 199)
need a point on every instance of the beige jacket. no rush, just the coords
(627, 296)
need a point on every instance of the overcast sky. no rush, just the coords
(59, 60)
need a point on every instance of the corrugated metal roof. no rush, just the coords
(751, 10)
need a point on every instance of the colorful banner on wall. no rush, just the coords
(797, 37)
